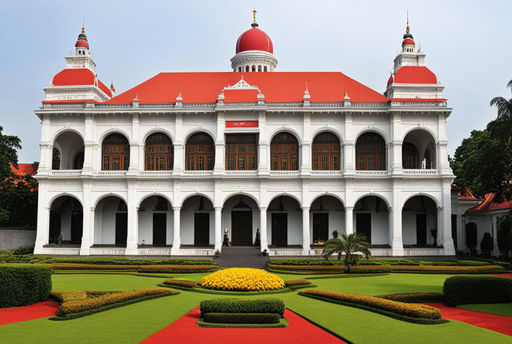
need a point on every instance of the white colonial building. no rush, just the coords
(168, 166)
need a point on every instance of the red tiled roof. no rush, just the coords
(276, 86)
(78, 77)
(490, 204)
(415, 75)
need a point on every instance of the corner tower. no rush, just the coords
(411, 79)
(254, 51)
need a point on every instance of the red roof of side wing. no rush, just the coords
(275, 86)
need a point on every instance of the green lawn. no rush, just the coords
(135, 322)
(494, 308)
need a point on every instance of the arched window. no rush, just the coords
(326, 152)
(265, 68)
(200, 152)
(259, 68)
(370, 152)
(253, 68)
(246, 68)
(410, 156)
(159, 152)
(115, 153)
(284, 152)
(241, 151)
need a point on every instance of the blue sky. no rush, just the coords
(467, 45)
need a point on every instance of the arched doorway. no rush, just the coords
(371, 217)
(327, 215)
(197, 222)
(155, 222)
(326, 152)
(240, 217)
(419, 150)
(66, 221)
(285, 222)
(111, 222)
(284, 152)
(370, 152)
(68, 151)
(419, 222)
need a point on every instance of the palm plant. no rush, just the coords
(350, 245)
(504, 106)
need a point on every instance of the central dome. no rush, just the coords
(254, 39)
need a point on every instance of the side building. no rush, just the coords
(172, 165)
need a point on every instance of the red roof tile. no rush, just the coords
(276, 86)
(415, 75)
(490, 204)
(78, 77)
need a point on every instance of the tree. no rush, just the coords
(350, 245)
(8, 154)
(504, 106)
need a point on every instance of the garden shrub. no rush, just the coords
(68, 295)
(23, 250)
(22, 285)
(230, 305)
(242, 279)
(460, 290)
(242, 318)
(176, 268)
(7, 256)
(410, 310)
(415, 297)
(138, 268)
(297, 283)
(181, 283)
(108, 299)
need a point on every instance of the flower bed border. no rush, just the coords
(282, 323)
(420, 269)
(422, 321)
(232, 292)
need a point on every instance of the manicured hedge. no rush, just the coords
(297, 283)
(262, 305)
(22, 285)
(460, 290)
(181, 283)
(487, 269)
(138, 268)
(71, 307)
(242, 318)
(418, 311)
(68, 295)
(176, 268)
(415, 297)
(381, 262)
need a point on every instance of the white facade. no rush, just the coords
(106, 195)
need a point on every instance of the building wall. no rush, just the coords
(12, 238)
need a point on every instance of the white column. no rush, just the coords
(305, 159)
(395, 150)
(218, 229)
(133, 221)
(495, 251)
(43, 219)
(134, 145)
(306, 241)
(349, 157)
(263, 229)
(176, 242)
(349, 220)
(45, 145)
(446, 220)
(395, 230)
(88, 143)
(220, 155)
(178, 145)
(88, 220)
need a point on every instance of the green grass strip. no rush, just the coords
(227, 292)
(282, 323)
(422, 321)
(107, 307)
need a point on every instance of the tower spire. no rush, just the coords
(407, 28)
(83, 25)
(254, 24)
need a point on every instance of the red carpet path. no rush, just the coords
(37, 310)
(505, 275)
(498, 323)
(185, 330)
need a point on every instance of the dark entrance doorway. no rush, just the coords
(121, 228)
(320, 227)
(280, 229)
(159, 229)
(201, 229)
(76, 227)
(364, 225)
(241, 226)
(421, 229)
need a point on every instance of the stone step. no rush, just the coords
(242, 256)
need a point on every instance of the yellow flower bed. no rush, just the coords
(243, 279)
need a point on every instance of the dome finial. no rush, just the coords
(407, 28)
(83, 25)
(254, 24)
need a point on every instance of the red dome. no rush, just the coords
(81, 43)
(254, 39)
(408, 41)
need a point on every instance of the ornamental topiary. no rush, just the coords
(460, 290)
(23, 285)
(242, 279)
(233, 305)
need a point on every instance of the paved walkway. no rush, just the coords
(242, 256)
(185, 330)
(493, 322)
(37, 310)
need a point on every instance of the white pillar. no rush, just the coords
(218, 229)
(133, 222)
(220, 155)
(306, 241)
(495, 251)
(178, 146)
(88, 220)
(43, 219)
(349, 220)
(176, 241)
(395, 230)
(446, 222)
(263, 229)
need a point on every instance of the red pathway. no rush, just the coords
(37, 310)
(494, 322)
(505, 275)
(185, 330)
